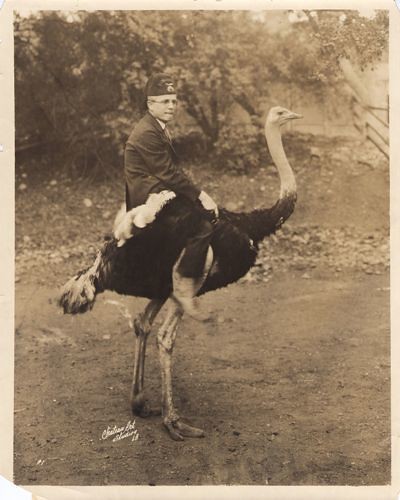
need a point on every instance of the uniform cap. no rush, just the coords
(159, 84)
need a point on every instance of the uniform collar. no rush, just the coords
(164, 130)
(162, 124)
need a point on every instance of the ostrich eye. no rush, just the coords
(280, 112)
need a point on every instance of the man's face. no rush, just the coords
(162, 107)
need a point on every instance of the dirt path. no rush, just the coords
(291, 385)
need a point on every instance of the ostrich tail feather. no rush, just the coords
(79, 293)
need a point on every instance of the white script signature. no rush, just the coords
(119, 433)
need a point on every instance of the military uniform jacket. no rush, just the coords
(151, 165)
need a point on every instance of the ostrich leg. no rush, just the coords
(165, 342)
(142, 327)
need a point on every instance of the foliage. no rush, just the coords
(241, 148)
(79, 76)
(349, 35)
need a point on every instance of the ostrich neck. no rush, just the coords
(274, 141)
(260, 223)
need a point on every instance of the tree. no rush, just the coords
(344, 41)
(79, 75)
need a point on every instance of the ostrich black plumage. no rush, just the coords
(143, 267)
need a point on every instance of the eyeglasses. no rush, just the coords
(163, 101)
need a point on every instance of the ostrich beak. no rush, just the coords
(294, 116)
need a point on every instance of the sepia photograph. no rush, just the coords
(202, 251)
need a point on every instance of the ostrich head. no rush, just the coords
(279, 116)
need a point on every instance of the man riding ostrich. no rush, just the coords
(150, 167)
(173, 243)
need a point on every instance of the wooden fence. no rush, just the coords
(372, 122)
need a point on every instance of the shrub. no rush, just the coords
(191, 147)
(241, 148)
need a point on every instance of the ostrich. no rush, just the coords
(143, 266)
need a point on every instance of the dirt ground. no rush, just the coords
(291, 381)
(291, 385)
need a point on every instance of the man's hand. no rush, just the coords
(208, 203)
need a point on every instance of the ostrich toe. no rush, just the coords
(178, 430)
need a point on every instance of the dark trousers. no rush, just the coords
(194, 255)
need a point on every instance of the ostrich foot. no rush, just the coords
(140, 407)
(178, 430)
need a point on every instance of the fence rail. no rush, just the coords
(370, 124)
